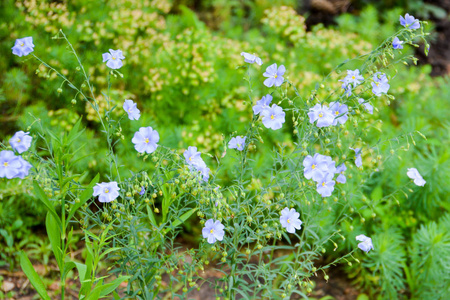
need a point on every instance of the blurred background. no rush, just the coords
(180, 67)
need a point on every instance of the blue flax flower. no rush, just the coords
(397, 44)
(251, 58)
(200, 166)
(380, 84)
(366, 244)
(415, 175)
(353, 77)
(237, 143)
(142, 192)
(213, 231)
(358, 159)
(322, 114)
(275, 75)
(21, 141)
(262, 104)
(325, 185)
(24, 169)
(23, 47)
(340, 112)
(340, 170)
(367, 106)
(409, 22)
(145, 140)
(289, 219)
(314, 167)
(113, 59)
(192, 155)
(107, 191)
(273, 117)
(131, 108)
(10, 164)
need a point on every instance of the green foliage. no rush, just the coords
(183, 75)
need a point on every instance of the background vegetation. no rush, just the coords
(180, 68)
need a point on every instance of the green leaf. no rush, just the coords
(179, 221)
(54, 234)
(104, 290)
(74, 134)
(151, 217)
(34, 278)
(85, 195)
(43, 197)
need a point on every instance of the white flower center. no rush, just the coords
(239, 145)
(211, 231)
(190, 158)
(5, 164)
(114, 58)
(18, 140)
(320, 115)
(106, 191)
(313, 166)
(289, 221)
(275, 76)
(129, 110)
(147, 141)
(353, 77)
(336, 113)
(22, 44)
(323, 183)
(377, 83)
(272, 117)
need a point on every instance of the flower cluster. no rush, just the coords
(353, 78)
(195, 162)
(14, 166)
(321, 169)
(327, 116)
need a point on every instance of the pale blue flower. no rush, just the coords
(314, 167)
(353, 77)
(409, 22)
(415, 175)
(24, 169)
(200, 166)
(237, 143)
(142, 192)
(366, 244)
(23, 46)
(322, 114)
(21, 141)
(262, 104)
(107, 191)
(145, 140)
(380, 84)
(191, 155)
(397, 44)
(131, 108)
(10, 165)
(325, 185)
(113, 59)
(340, 170)
(367, 106)
(275, 75)
(358, 159)
(273, 117)
(340, 112)
(251, 58)
(213, 231)
(289, 219)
